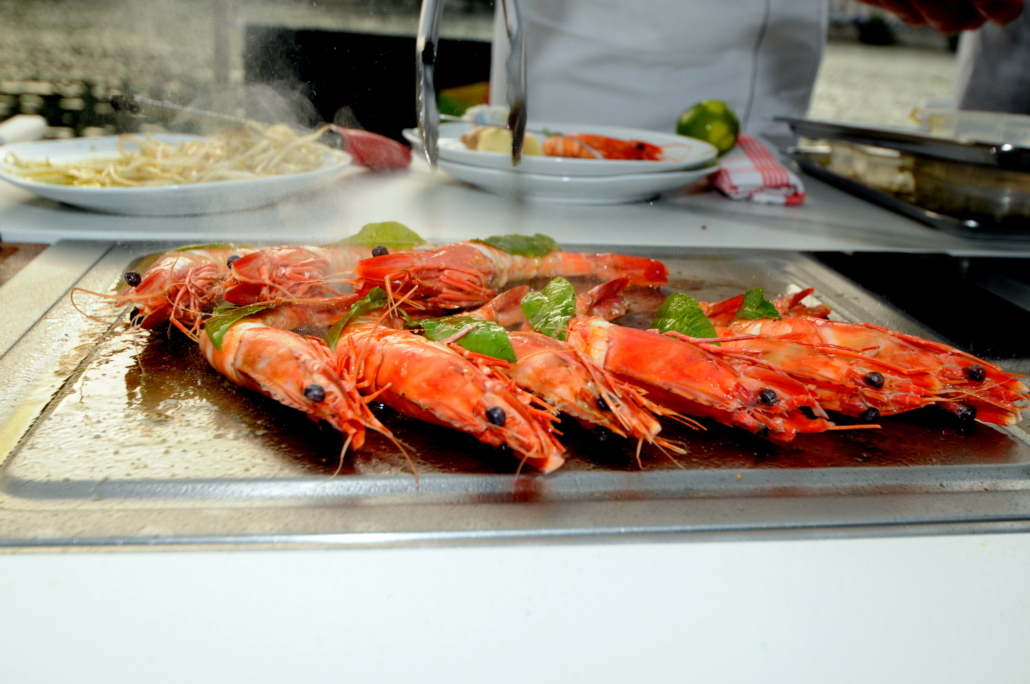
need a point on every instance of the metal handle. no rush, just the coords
(426, 45)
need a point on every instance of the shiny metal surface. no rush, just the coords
(999, 155)
(427, 43)
(111, 438)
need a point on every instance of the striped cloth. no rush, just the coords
(749, 171)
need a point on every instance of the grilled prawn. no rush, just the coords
(588, 146)
(573, 383)
(180, 286)
(432, 382)
(295, 371)
(293, 273)
(961, 383)
(467, 274)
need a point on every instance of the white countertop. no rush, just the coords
(440, 208)
(905, 609)
(931, 609)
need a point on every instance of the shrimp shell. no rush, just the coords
(180, 286)
(292, 273)
(571, 381)
(284, 366)
(959, 380)
(467, 274)
(432, 382)
(691, 379)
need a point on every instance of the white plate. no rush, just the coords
(163, 200)
(684, 153)
(635, 187)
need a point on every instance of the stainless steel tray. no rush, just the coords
(999, 155)
(108, 438)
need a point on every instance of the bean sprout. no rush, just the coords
(251, 152)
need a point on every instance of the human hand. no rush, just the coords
(951, 16)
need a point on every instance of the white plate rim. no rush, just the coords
(451, 149)
(576, 189)
(264, 191)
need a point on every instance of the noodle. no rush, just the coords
(244, 154)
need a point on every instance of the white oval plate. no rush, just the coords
(684, 153)
(162, 200)
(635, 187)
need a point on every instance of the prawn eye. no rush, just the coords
(495, 414)
(314, 392)
(132, 278)
(966, 413)
(763, 431)
(874, 379)
(767, 397)
(869, 415)
(379, 250)
(232, 260)
(602, 405)
(976, 373)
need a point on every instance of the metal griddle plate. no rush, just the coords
(112, 438)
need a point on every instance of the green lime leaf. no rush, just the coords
(389, 234)
(483, 337)
(375, 299)
(756, 306)
(210, 245)
(683, 314)
(534, 246)
(550, 310)
(219, 324)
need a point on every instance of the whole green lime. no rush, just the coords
(712, 121)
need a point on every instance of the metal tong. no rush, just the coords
(426, 45)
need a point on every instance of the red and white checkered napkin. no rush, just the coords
(750, 171)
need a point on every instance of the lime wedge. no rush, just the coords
(711, 121)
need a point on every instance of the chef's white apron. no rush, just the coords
(640, 63)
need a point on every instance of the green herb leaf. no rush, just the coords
(218, 325)
(683, 314)
(756, 306)
(550, 310)
(389, 234)
(375, 299)
(522, 245)
(484, 337)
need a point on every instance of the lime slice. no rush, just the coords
(711, 121)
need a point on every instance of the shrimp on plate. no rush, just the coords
(588, 146)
